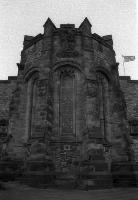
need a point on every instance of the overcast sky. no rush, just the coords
(26, 17)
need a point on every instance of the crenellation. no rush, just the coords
(67, 111)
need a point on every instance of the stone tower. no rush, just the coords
(67, 112)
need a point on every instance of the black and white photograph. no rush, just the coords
(68, 100)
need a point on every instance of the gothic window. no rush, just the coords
(34, 104)
(103, 101)
(67, 103)
(31, 103)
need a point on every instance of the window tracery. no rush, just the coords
(66, 102)
(103, 102)
(31, 103)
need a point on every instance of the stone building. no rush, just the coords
(67, 117)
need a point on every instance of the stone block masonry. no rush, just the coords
(66, 115)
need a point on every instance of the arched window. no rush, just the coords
(67, 103)
(34, 104)
(103, 84)
(32, 100)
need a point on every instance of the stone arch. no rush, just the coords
(67, 98)
(73, 75)
(31, 82)
(107, 74)
(29, 74)
(104, 83)
(69, 63)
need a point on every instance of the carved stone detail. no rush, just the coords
(67, 39)
(92, 88)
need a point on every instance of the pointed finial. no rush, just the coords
(85, 26)
(48, 22)
(49, 26)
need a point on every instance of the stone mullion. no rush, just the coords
(28, 109)
(107, 112)
(49, 108)
(78, 106)
(104, 92)
(104, 107)
(92, 111)
(58, 99)
(102, 111)
(33, 109)
(62, 91)
(30, 85)
(74, 106)
(56, 102)
(60, 118)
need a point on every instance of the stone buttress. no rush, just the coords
(68, 115)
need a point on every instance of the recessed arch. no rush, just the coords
(107, 74)
(69, 63)
(31, 80)
(30, 73)
(104, 83)
(69, 82)
(67, 103)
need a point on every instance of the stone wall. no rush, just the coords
(67, 111)
(7, 88)
(130, 91)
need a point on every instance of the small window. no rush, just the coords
(3, 127)
(66, 147)
(133, 127)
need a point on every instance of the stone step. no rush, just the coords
(66, 183)
(37, 180)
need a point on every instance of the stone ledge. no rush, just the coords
(128, 79)
(10, 78)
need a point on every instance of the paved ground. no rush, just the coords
(21, 192)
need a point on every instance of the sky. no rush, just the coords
(108, 17)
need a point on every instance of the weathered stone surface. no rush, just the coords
(65, 113)
(130, 91)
